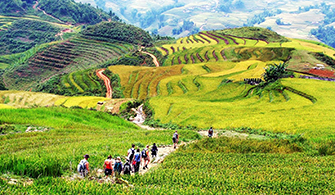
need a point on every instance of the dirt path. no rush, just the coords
(35, 6)
(106, 81)
(154, 59)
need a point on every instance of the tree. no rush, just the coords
(274, 72)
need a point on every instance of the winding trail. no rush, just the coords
(35, 6)
(154, 58)
(107, 82)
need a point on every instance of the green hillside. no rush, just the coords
(62, 11)
(205, 83)
(25, 23)
(88, 49)
(24, 34)
(269, 99)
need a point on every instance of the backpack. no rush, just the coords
(153, 149)
(81, 166)
(118, 167)
(126, 168)
(131, 154)
(144, 154)
(138, 157)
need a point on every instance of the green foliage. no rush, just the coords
(325, 34)
(327, 148)
(260, 18)
(70, 11)
(90, 83)
(6, 128)
(2, 84)
(12, 7)
(126, 108)
(74, 132)
(324, 58)
(25, 34)
(118, 31)
(255, 33)
(274, 72)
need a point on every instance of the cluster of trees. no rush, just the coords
(120, 32)
(2, 84)
(150, 17)
(66, 10)
(326, 33)
(25, 34)
(70, 11)
(187, 26)
(259, 18)
(15, 8)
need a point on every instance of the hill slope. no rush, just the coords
(94, 46)
(205, 83)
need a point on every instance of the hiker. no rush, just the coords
(175, 139)
(154, 150)
(210, 132)
(127, 167)
(137, 160)
(146, 157)
(83, 166)
(131, 153)
(118, 167)
(108, 166)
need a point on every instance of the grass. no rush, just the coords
(298, 115)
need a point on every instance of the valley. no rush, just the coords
(74, 87)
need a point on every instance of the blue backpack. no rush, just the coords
(137, 157)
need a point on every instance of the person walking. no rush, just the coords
(210, 132)
(146, 157)
(154, 150)
(131, 153)
(83, 166)
(175, 139)
(137, 160)
(118, 167)
(127, 167)
(108, 166)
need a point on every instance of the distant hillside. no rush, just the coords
(24, 34)
(26, 23)
(294, 19)
(119, 32)
(94, 46)
(64, 10)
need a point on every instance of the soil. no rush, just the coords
(106, 81)
(322, 73)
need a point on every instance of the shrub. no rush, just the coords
(274, 72)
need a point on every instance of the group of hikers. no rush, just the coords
(116, 167)
(133, 159)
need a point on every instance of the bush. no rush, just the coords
(6, 128)
(274, 72)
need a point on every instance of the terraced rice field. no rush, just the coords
(79, 52)
(208, 88)
(23, 99)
